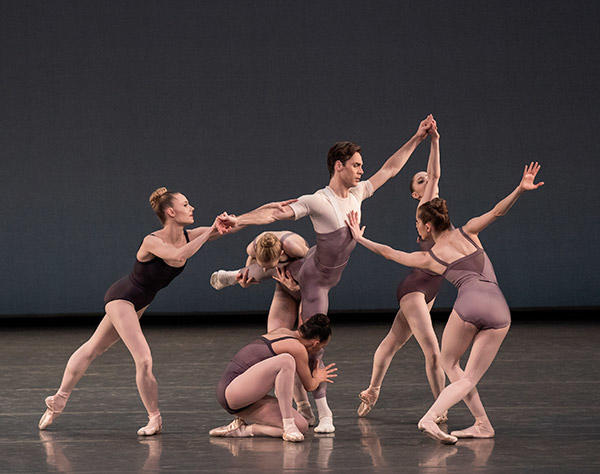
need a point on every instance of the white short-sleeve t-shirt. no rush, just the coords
(328, 211)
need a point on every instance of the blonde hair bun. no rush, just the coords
(155, 197)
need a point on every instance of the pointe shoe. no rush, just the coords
(368, 399)
(325, 425)
(478, 430)
(52, 412)
(222, 279)
(432, 430)
(293, 435)
(236, 429)
(305, 410)
(153, 427)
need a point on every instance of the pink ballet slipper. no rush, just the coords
(478, 430)
(55, 407)
(236, 429)
(368, 399)
(431, 429)
(153, 427)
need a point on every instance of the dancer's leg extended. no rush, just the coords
(101, 340)
(397, 336)
(124, 319)
(486, 344)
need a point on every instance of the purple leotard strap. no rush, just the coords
(437, 259)
(468, 238)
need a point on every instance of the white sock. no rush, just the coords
(322, 407)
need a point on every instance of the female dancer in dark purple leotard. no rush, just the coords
(416, 295)
(271, 362)
(480, 314)
(160, 258)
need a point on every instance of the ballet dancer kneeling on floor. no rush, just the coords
(267, 363)
(480, 315)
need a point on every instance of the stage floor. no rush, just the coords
(542, 394)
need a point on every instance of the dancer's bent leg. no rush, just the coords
(257, 382)
(486, 344)
(126, 323)
(103, 338)
(398, 335)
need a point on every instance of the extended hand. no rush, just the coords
(225, 222)
(433, 131)
(354, 224)
(529, 174)
(324, 374)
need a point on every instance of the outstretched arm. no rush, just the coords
(477, 224)
(434, 169)
(159, 248)
(310, 380)
(396, 162)
(265, 214)
(413, 259)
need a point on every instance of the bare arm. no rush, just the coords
(295, 246)
(396, 162)
(477, 224)
(265, 214)
(156, 246)
(310, 380)
(413, 259)
(434, 169)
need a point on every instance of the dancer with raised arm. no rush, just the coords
(161, 257)
(271, 362)
(324, 263)
(416, 295)
(480, 315)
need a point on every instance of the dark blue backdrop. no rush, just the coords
(236, 104)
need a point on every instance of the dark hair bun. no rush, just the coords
(316, 327)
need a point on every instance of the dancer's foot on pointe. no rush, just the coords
(291, 432)
(428, 426)
(153, 427)
(481, 429)
(236, 429)
(305, 410)
(368, 399)
(55, 405)
(223, 278)
(325, 425)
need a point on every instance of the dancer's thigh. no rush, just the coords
(256, 382)
(266, 412)
(125, 320)
(106, 335)
(485, 347)
(416, 312)
(456, 339)
(283, 312)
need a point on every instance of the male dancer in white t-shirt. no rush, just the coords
(327, 208)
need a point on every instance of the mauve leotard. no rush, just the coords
(249, 355)
(419, 280)
(479, 301)
(142, 284)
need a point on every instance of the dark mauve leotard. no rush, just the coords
(258, 350)
(422, 281)
(479, 301)
(142, 284)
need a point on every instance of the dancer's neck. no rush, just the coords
(338, 187)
